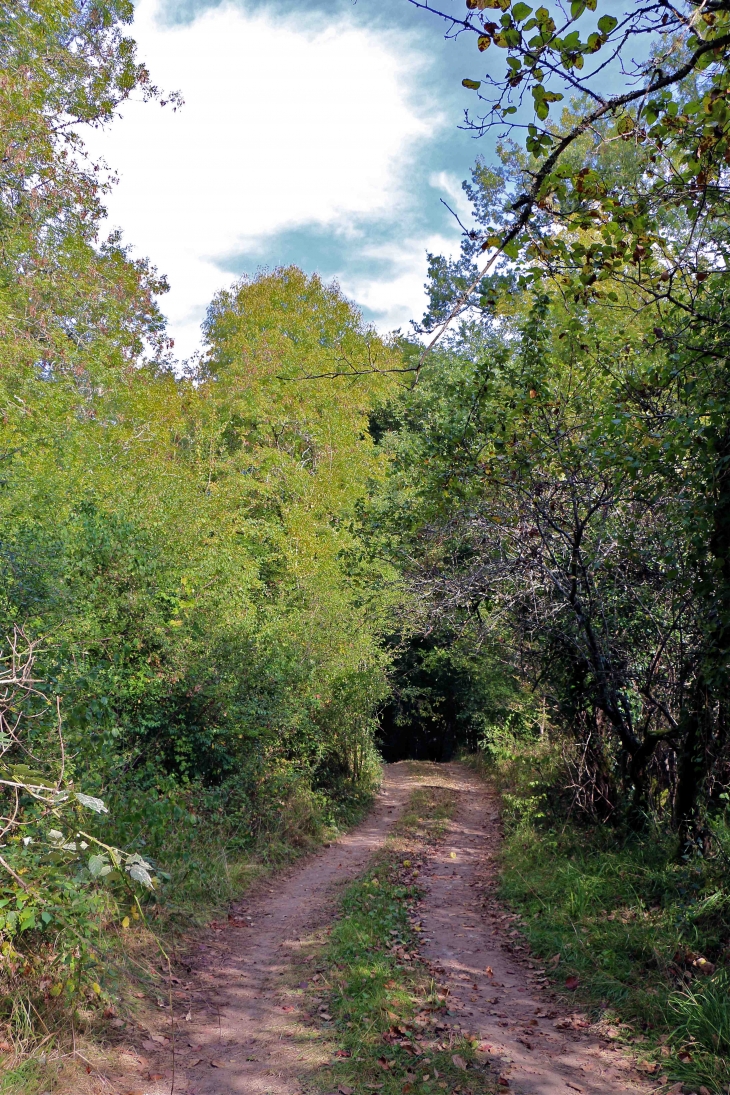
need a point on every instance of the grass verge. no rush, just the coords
(383, 1012)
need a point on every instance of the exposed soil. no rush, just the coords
(538, 1046)
(245, 1031)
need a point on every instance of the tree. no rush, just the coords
(616, 216)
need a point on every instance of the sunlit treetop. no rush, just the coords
(655, 75)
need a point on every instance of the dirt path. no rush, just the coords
(534, 1045)
(241, 1020)
(245, 1032)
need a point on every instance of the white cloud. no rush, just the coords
(452, 187)
(283, 125)
(400, 297)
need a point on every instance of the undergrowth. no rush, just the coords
(638, 935)
(385, 1013)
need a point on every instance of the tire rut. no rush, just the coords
(507, 1009)
(245, 1035)
(241, 1028)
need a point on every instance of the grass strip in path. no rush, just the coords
(384, 1016)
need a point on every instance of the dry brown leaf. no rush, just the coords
(218, 1064)
(458, 1061)
(648, 1066)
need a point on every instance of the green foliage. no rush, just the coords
(446, 696)
(178, 550)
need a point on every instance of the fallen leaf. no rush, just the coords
(196, 1062)
(188, 1017)
(489, 971)
(148, 1044)
(156, 1076)
(134, 1091)
(553, 961)
(383, 1062)
(703, 1090)
(503, 1081)
(458, 1061)
(5, 1047)
(648, 1066)
(574, 1086)
(287, 1007)
(452, 855)
(572, 982)
(344, 1090)
(218, 1064)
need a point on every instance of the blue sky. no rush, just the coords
(318, 132)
